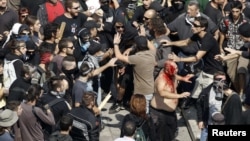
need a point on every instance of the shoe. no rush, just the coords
(114, 109)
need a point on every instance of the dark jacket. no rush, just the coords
(202, 105)
(57, 136)
(86, 126)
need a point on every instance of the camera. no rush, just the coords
(219, 87)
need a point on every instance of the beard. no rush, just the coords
(2, 8)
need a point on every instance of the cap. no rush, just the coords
(244, 30)
(94, 47)
(30, 45)
(218, 118)
(8, 118)
(91, 24)
(23, 27)
(15, 28)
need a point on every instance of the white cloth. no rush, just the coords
(125, 138)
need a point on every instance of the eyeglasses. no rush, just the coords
(24, 16)
(119, 27)
(146, 18)
(71, 47)
(196, 25)
(76, 8)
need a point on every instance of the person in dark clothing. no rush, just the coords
(20, 85)
(56, 91)
(86, 119)
(65, 126)
(232, 107)
(17, 54)
(139, 116)
(72, 17)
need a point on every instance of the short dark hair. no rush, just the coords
(129, 128)
(203, 21)
(33, 92)
(48, 29)
(65, 123)
(63, 43)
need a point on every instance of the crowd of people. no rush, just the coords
(58, 58)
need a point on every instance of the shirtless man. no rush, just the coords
(165, 101)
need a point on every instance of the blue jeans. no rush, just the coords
(203, 134)
(148, 100)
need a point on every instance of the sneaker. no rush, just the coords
(114, 109)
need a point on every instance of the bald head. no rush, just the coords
(150, 13)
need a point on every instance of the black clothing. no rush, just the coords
(232, 110)
(139, 14)
(147, 127)
(18, 89)
(202, 105)
(214, 14)
(18, 65)
(165, 124)
(246, 117)
(86, 126)
(59, 109)
(211, 46)
(73, 24)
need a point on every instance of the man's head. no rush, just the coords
(148, 15)
(146, 3)
(18, 47)
(92, 26)
(105, 5)
(141, 43)
(86, 68)
(157, 26)
(51, 30)
(170, 68)
(129, 128)
(69, 65)
(199, 24)
(3, 5)
(72, 7)
(89, 99)
(27, 71)
(236, 10)
(193, 8)
(66, 123)
(220, 85)
(66, 46)
(244, 31)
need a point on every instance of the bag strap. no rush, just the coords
(54, 102)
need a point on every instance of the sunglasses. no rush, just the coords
(24, 33)
(76, 8)
(146, 18)
(71, 47)
(119, 27)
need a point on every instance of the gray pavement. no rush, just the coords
(113, 122)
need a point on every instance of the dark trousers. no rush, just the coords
(165, 124)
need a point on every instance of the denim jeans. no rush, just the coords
(204, 134)
(148, 100)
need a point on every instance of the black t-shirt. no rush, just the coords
(72, 24)
(211, 46)
(214, 14)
